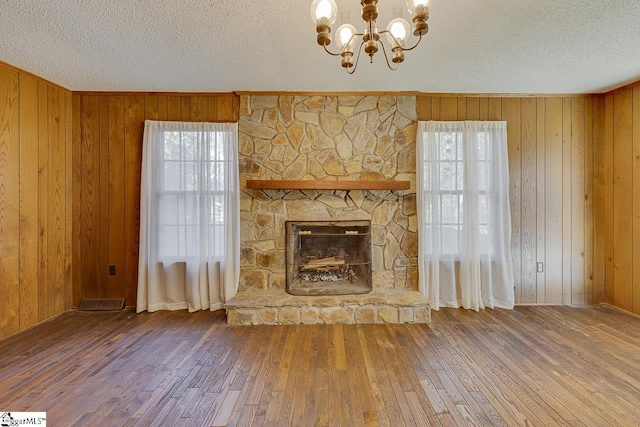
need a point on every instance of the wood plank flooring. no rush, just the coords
(529, 366)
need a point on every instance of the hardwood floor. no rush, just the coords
(529, 366)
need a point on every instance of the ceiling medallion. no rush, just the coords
(324, 12)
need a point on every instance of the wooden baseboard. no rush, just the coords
(604, 304)
(39, 323)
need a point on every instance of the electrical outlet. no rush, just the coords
(540, 267)
(112, 270)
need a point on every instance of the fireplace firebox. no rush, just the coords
(328, 257)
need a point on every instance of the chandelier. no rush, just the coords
(324, 12)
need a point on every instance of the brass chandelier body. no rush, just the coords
(324, 12)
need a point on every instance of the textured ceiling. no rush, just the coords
(474, 46)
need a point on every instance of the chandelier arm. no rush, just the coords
(415, 45)
(384, 50)
(402, 47)
(353, 70)
(346, 44)
(329, 52)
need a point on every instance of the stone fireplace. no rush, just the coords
(328, 257)
(327, 138)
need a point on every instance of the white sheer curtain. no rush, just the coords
(464, 216)
(189, 216)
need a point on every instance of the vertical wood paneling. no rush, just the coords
(473, 109)
(608, 179)
(566, 200)
(462, 108)
(599, 200)
(199, 108)
(90, 146)
(483, 106)
(111, 128)
(62, 225)
(541, 198)
(35, 269)
(68, 182)
(636, 200)
(495, 109)
(577, 168)
(151, 110)
(512, 114)
(548, 140)
(435, 109)
(9, 202)
(162, 107)
(115, 189)
(622, 201)
(174, 108)
(28, 203)
(449, 108)
(588, 201)
(423, 107)
(528, 201)
(134, 125)
(213, 108)
(616, 200)
(76, 202)
(43, 205)
(103, 196)
(553, 200)
(57, 179)
(35, 199)
(185, 108)
(229, 111)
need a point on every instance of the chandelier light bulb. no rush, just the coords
(344, 37)
(324, 9)
(412, 4)
(400, 29)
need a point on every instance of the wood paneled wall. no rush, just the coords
(617, 174)
(551, 150)
(107, 135)
(70, 179)
(551, 153)
(35, 200)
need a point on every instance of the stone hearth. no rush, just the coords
(350, 138)
(276, 307)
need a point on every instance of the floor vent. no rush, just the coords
(101, 304)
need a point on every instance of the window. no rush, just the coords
(446, 212)
(189, 216)
(464, 222)
(194, 170)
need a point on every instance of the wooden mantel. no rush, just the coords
(327, 185)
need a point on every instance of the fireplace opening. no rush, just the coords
(328, 257)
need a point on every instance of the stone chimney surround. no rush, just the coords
(328, 138)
